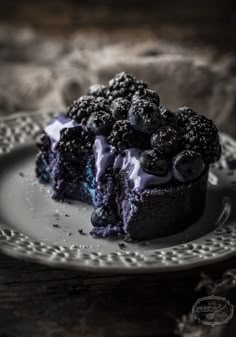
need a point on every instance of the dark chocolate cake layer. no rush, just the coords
(68, 178)
(163, 211)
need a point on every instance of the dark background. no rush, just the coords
(210, 21)
(43, 53)
(39, 38)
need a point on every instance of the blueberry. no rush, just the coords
(100, 123)
(119, 108)
(144, 116)
(153, 163)
(187, 166)
(103, 216)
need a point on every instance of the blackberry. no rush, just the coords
(43, 143)
(202, 136)
(124, 136)
(124, 85)
(97, 90)
(187, 166)
(168, 118)
(83, 107)
(144, 116)
(165, 140)
(119, 108)
(100, 123)
(74, 141)
(153, 162)
(147, 94)
(183, 114)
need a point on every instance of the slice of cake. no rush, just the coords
(142, 166)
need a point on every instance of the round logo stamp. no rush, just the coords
(213, 310)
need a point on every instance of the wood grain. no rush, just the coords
(40, 301)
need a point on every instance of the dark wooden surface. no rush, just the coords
(41, 301)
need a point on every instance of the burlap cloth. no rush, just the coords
(39, 72)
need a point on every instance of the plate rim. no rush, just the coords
(114, 270)
(22, 128)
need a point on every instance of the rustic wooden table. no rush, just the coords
(39, 301)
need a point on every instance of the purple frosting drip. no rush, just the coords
(106, 156)
(128, 161)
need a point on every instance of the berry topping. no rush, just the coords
(103, 216)
(183, 114)
(119, 108)
(168, 117)
(43, 142)
(100, 123)
(74, 141)
(147, 94)
(202, 136)
(97, 90)
(83, 107)
(165, 140)
(154, 163)
(187, 166)
(124, 136)
(144, 116)
(124, 85)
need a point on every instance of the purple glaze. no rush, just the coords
(106, 156)
(128, 161)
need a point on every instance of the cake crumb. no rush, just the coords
(67, 215)
(55, 225)
(122, 245)
(81, 232)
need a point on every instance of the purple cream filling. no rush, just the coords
(106, 156)
(127, 160)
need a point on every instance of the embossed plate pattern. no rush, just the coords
(33, 226)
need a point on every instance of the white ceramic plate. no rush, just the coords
(35, 227)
